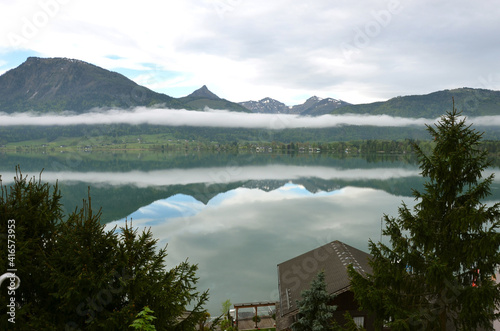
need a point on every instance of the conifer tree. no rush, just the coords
(315, 309)
(34, 211)
(436, 274)
(75, 275)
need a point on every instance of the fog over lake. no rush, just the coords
(220, 118)
(211, 118)
(214, 175)
(237, 221)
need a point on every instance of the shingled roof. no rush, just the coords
(295, 275)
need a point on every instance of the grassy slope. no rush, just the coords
(473, 102)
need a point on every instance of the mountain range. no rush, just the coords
(313, 106)
(58, 84)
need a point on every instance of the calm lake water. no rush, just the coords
(236, 215)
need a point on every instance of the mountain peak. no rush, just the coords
(57, 84)
(270, 100)
(266, 105)
(314, 98)
(203, 98)
(204, 93)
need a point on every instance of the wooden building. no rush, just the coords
(296, 275)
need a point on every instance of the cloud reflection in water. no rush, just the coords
(215, 175)
(239, 237)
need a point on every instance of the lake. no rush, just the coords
(236, 215)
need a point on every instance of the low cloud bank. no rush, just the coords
(210, 118)
(220, 118)
(218, 175)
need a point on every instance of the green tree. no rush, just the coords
(77, 276)
(203, 321)
(35, 212)
(168, 293)
(315, 309)
(436, 274)
(81, 271)
(350, 324)
(226, 321)
(144, 321)
(256, 319)
(226, 306)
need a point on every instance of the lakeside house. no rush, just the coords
(296, 275)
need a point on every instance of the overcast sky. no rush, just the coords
(358, 51)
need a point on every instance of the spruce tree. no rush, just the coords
(31, 209)
(75, 275)
(315, 309)
(437, 273)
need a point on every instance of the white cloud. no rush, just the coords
(281, 49)
(243, 239)
(220, 175)
(210, 118)
(221, 118)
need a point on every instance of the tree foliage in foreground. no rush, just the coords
(315, 309)
(75, 275)
(436, 274)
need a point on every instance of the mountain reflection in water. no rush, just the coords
(239, 236)
(236, 216)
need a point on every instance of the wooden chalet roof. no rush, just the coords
(296, 275)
